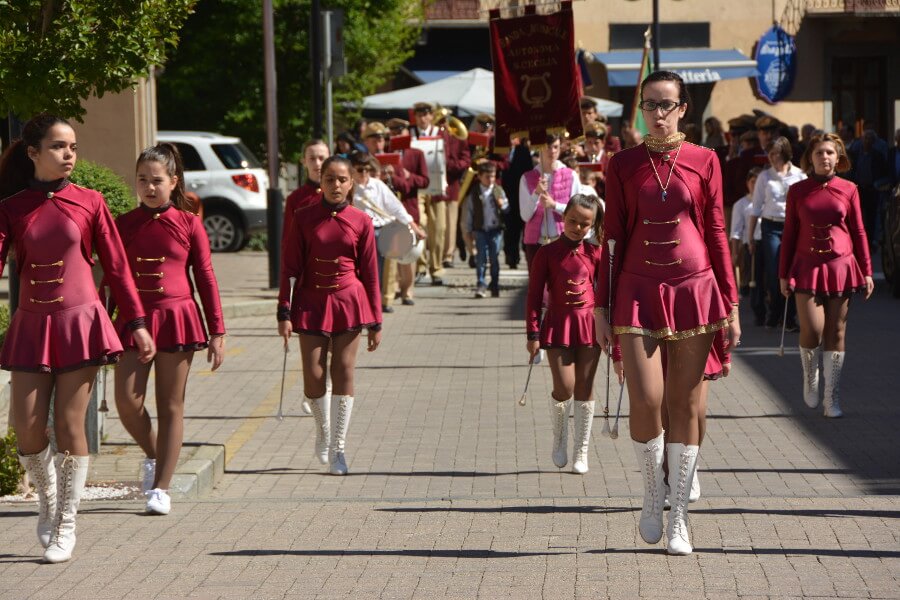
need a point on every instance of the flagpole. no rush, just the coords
(637, 90)
(656, 36)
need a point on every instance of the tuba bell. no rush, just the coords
(444, 118)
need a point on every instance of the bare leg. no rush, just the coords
(811, 314)
(314, 360)
(684, 386)
(835, 327)
(131, 390)
(343, 362)
(31, 409)
(646, 386)
(172, 369)
(562, 368)
(73, 392)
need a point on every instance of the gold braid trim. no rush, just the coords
(667, 334)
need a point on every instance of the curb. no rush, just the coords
(198, 475)
(250, 308)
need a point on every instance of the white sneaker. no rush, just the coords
(158, 502)
(148, 474)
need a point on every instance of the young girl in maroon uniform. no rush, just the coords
(162, 239)
(331, 255)
(567, 270)
(824, 260)
(60, 333)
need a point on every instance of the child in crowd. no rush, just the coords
(740, 247)
(483, 219)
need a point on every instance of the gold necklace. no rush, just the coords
(664, 188)
(664, 144)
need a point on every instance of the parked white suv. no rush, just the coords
(231, 184)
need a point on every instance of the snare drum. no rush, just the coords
(396, 240)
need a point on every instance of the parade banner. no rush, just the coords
(776, 60)
(536, 80)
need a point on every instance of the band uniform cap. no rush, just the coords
(397, 123)
(595, 130)
(767, 122)
(485, 119)
(423, 106)
(749, 136)
(375, 129)
(742, 123)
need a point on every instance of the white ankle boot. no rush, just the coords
(584, 419)
(42, 472)
(559, 420)
(321, 411)
(682, 465)
(71, 476)
(650, 460)
(833, 364)
(809, 359)
(148, 474)
(341, 407)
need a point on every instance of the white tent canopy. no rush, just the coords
(469, 92)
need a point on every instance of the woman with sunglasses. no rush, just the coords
(672, 291)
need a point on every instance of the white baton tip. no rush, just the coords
(612, 246)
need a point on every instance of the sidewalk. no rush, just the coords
(452, 493)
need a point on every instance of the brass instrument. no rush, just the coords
(444, 118)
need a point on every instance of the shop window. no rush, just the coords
(630, 36)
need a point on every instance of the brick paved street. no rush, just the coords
(452, 493)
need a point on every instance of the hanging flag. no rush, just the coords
(637, 116)
(537, 84)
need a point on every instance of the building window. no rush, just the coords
(630, 36)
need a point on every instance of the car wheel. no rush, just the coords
(224, 231)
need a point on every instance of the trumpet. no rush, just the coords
(444, 118)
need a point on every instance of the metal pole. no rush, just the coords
(274, 200)
(655, 41)
(15, 132)
(329, 99)
(315, 48)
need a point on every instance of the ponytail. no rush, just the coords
(169, 157)
(16, 168)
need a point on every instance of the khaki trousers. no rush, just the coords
(388, 282)
(450, 235)
(436, 227)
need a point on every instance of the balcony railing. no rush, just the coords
(852, 6)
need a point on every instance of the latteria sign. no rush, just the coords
(776, 60)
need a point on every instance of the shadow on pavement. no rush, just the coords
(802, 512)
(425, 553)
(531, 510)
(864, 440)
(444, 473)
(862, 553)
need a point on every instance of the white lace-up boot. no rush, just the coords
(650, 460)
(341, 407)
(584, 419)
(559, 420)
(42, 472)
(71, 474)
(809, 359)
(148, 474)
(682, 465)
(695, 487)
(321, 411)
(833, 364)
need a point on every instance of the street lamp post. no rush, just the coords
(274, 200)
(654, 40)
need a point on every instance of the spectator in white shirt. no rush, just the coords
(740, 247)
(769, 201)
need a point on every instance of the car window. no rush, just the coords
(190, 157)
(236, 156)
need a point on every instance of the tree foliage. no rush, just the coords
(215, 80)
(56, 53)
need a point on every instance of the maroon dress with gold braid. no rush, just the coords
(672, 272)
(331, 252)
(162, 244)
(61, 324)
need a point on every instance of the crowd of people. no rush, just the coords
(624, 238)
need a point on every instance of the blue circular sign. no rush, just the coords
(776, 61)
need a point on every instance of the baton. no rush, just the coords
(280, 415)
(614, 434)
(524, 397)
(612, 253)
(103, 406)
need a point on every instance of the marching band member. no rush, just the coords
(315, 152)
(332, 257)
(824, 260)
(413, 162)
(60, 334)
(566, 270)
(162, 239)
(594, 149)
(520, 162)
(442, 211)
(672, 286)
(544, 192)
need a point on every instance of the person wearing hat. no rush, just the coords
(594, 152)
